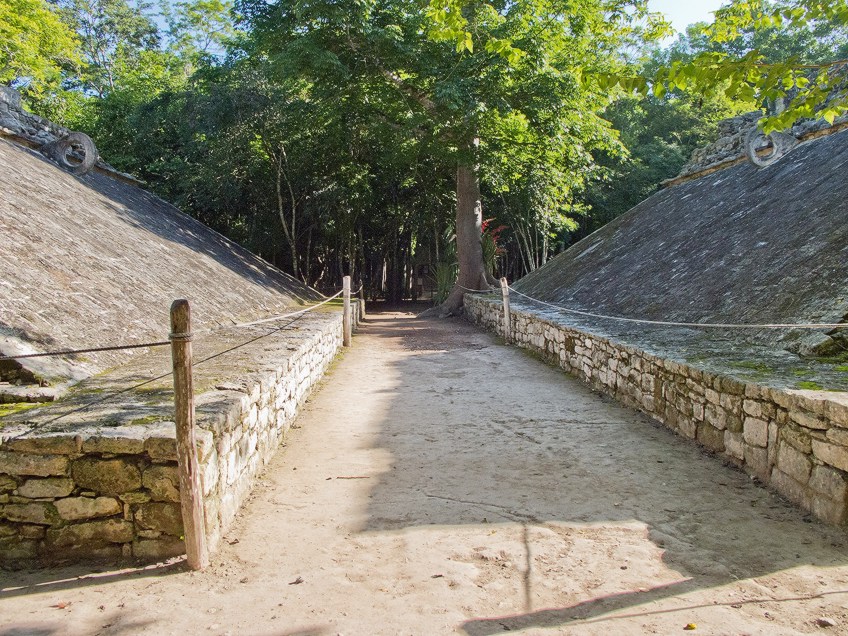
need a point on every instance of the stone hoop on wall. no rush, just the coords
(781, 144)
(60, 149)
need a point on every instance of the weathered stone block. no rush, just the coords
(32, 532)
(756, 462)
(52, 444)
(13, 549)
(838, 436)
(808, 421)
(715, 416)
(711, 437)
(798, 439)
(752, 408)
(46, 488)
(794, 463)
(162, 443)
(733, 444)
(160, 548)
(163, 482)
(828, 510)
(8, 530)
(106, 476)
(832, 454)
(119, 441)
(713, 397)
(165, 517)
(107, 530)
(755, 432)
(731, 403)
(829, 482)
(7, 483)
(74, 508)
(40, 512)
(790, 489)
(134, 497)
(30, 464)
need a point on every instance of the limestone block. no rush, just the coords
(715, 416)
(830, 482)
(8, 530)
(713, 397)
(13, 549)
(832, 454)
(49, 488)
(755, 432)
(7, 483)
(161, 548)
(163, 482)
(793, 463)
(837, 411)
(773, 434)
(808, 421)
(75, 508)
(838, 436)
(14, 463)
(165, 517)
(797, 438)
(39, 512)
(209, 475)
(32, 532)
(698, 412)
(756, 462)
(107, 530)
(162, 446)
(828, 510)
(711, 437)
(119, 441)
(731, 403)
(790, 489)
(134, 497)
(51, 444)
(753, 408)
(733, 444)
(106, 476)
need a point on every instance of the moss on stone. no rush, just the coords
(17, 407)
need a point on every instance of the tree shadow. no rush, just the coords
(558, 460)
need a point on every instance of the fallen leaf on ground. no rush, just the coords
(61, 604)
(690, 627)
(297, 581)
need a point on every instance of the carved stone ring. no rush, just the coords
(781, 144)
(60, 149)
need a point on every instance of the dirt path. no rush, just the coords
(441, 483)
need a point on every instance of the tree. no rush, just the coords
(472, 79)
(35, 45)
(110, 31)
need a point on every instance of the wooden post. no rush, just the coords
(191, 490)
(346, 317)
(362, 300)
(507, 323)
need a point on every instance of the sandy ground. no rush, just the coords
(441, 483)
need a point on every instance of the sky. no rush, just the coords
(682, 13)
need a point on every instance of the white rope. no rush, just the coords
(284, 316)
(477, 291)
(686, 324)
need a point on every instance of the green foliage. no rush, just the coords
(35, 45)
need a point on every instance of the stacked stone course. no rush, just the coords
(795, 441)
(106, 493)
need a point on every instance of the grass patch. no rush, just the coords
(17, 407)
(810, 386)
(759, 367)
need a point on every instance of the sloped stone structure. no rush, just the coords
(87, 441)
(741, 245)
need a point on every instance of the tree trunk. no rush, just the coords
(469, 227)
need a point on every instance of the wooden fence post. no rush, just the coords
(362, 300)
(191, 490)
(346, 318)
(507, 323)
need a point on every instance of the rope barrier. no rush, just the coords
(477, 291)
(68, 352)
(666, 323)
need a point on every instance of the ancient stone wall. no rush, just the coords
(794, 441)
(66, 496)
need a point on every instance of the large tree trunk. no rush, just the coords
(469, 250)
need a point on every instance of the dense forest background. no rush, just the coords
(322, 134)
